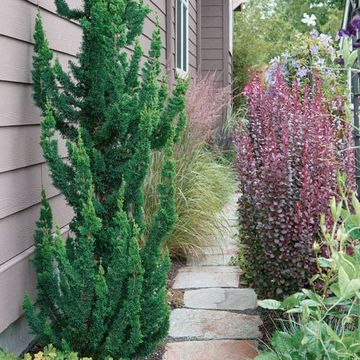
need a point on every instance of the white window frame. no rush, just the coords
(182, 69)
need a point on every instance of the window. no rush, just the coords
(231, 26)
(182, 56)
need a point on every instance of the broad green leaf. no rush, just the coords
(270, 304)
(336, 290)
(310, 303)
(352, 288)
(324, 262)
(357, 254)
(335, 300)
(352, 58)
(293, 300)
(297, 310)
(331, 333)
(343, 280)
(349, 265)
(313, 296)
(282, 342)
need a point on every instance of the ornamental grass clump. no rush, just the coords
(102, 293)
(206, 102)
(203, 184)
(287, 160)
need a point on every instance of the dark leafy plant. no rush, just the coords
(325, 325)
(287, 163)
(103, 292)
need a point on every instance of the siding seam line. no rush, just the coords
(8, 264)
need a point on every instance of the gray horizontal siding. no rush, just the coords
(193, 36)
(25, 151)
(215, 56)
(16, 278)
(10, 229)
(17, 105)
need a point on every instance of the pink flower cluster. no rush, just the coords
(205, 102)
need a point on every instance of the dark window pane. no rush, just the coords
(178, 34)
(185, 40)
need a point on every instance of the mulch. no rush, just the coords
(270, 324)
(157, 355)
(175, 297)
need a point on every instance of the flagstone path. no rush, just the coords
(218, 320)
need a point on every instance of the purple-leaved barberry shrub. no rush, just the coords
(288, 159)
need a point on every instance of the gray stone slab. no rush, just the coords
(210, 260)
(195, 277)
(214, 256)
(211, 325)
(211, 350)
(209, 269)
(221, 299)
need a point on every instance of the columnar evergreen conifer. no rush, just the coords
(102, 292)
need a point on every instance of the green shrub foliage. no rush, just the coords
(103, 291)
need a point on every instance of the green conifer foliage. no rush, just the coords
(102, 292)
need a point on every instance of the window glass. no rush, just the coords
(178, 33)
(182, 35)
(231, 25)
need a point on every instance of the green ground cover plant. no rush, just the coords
(103, 291)
(49, 353)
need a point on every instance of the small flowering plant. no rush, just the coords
(315, 55)
(311, 52)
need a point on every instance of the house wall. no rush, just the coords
(23, 171)
(193, 9)
(215, 37)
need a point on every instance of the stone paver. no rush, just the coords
(214, 256)
(212, 350)
(210, 269)
(196, 277)
(212, 325)
(221, 299)
(210, 260)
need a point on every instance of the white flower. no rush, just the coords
(309, 20)
(319, 5)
